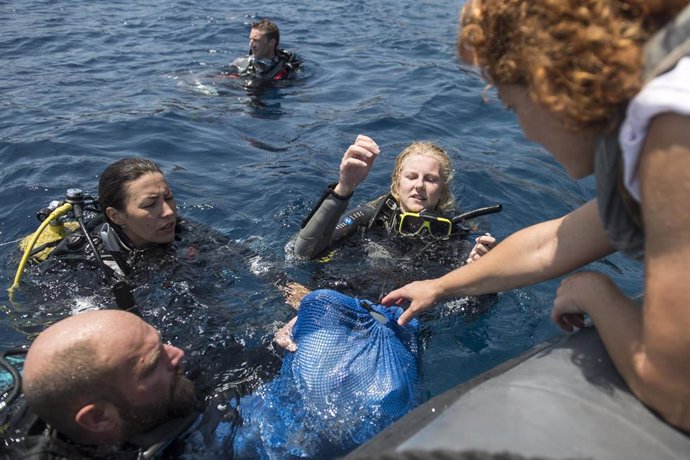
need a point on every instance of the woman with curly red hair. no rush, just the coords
(604, 86)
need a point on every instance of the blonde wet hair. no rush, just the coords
(426, 148)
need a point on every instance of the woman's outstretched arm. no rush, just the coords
(537, 253)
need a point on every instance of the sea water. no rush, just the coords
(86, 83)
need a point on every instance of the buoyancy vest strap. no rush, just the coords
(286, 61)
(668, 45)
(124, 299)
(277, 67)
(360, 217)
(386, 208)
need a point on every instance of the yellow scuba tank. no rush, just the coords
(54, 215)
(54, 218)
(56, 230)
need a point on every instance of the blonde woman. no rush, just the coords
(419, 204)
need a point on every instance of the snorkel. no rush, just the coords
(476, 213)
(437, 226)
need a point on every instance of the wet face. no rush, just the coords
(261, 46)
(150, 211)
(574, 151)
(420, 184)
(152, 387)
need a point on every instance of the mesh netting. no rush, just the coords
(350, 377)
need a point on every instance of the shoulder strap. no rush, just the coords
(667, 46)
(115, 248)
(291, 59)
(386, 209)
(618, 213)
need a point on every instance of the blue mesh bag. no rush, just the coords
(353, 374)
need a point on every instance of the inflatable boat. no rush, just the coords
(560, 400)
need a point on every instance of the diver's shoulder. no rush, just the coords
(75, 242)
(289, 57)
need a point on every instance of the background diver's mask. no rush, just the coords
(412, 223)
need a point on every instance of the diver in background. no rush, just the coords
(266, 60)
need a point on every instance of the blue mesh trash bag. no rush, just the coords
(351, 377)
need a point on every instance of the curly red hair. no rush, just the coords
(581, 59)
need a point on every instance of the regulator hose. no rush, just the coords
(58, 212)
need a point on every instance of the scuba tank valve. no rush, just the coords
(53, 234)
(75, 196)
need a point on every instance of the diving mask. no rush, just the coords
(412, 223)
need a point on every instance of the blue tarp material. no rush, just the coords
(350, 378)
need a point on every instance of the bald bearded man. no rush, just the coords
(105, 379)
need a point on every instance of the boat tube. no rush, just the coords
(562, 399)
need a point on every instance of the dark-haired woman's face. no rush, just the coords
(150, 211)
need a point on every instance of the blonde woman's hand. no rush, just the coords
(283, 336)
(356, 164)
(483, 244)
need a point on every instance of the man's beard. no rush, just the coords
(139, 420)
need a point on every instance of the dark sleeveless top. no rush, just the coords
(619, 213)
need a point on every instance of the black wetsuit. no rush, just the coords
(184, 437)
(181, 288)
(362, 253)
(41, 442)
(196, 250)
(280, 67)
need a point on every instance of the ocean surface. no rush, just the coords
(85, 83)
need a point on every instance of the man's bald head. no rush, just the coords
(65, 366)
(104, 375)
